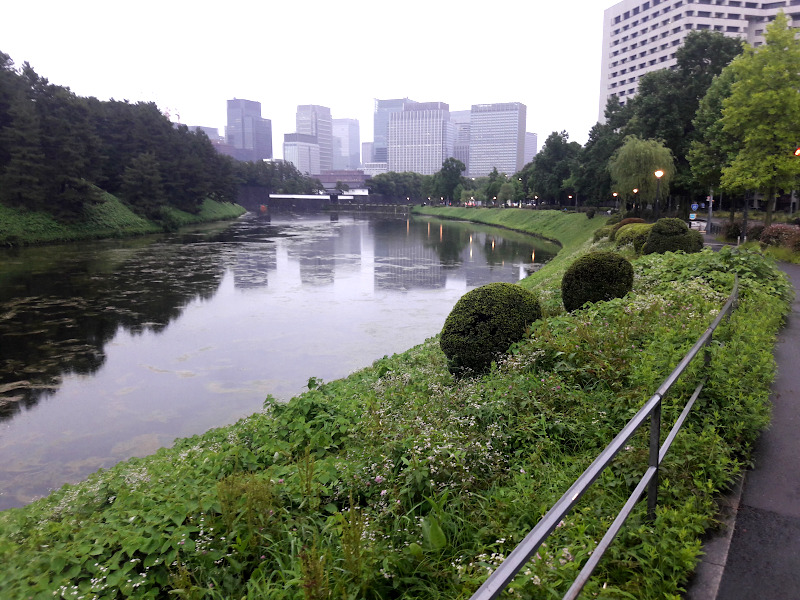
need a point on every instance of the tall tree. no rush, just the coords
(449, 177)
(763, 110)
(633, 167)
(551, 167)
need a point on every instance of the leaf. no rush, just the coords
(432, 533)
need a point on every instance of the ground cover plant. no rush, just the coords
(401, 481)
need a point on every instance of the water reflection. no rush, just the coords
(136, 342)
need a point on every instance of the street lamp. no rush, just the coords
(659, 174)
(635, 191)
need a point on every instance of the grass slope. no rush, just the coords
(109, 218)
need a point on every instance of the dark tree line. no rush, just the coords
(58, 151)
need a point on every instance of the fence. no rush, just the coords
(508, 569)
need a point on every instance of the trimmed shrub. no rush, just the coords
(590, 213)
(603, 232)
(672, 235)
(614, 218)
(635, 234)
(777, 235)
(731, 231)
(793, 243)
(484, 323)
(622, 224)
(596, 277)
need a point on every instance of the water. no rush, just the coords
(113, 349)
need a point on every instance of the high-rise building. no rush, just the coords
(303, 152)
(497, 138)
(247, 133)
(366, 152)
(316, 120)
(420, 138)
(461, 132)
(383, 113)
(642, 36)
(531, 146)
(346, 144)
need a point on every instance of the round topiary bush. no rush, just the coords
(622, 224)
(484, 323)
(595, 277)
(635, 234)
(672, 235)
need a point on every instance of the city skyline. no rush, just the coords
(188, 60)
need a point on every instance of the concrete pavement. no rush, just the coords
(756, 555)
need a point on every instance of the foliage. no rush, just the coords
(635, 234)
(620, 224)
(484, 323)
(596, 277)
(633, 167)
(60, 150)
(778, 235)
(732, 230)
(672, 235)
(449, 177)
(550, 168)
(762, 110)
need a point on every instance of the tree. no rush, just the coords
(633, 166)
(551, 167)
(713, 148)
(763, 110)
(667, 100)
(449, 177)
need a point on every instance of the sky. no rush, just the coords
(191, 57)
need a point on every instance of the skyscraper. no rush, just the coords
(461, 129)
(346, 145)
(316, 120)
(642, 36)
(302, 151)
(383, 113)
(247, 132)
(497, 138)
(420, 138)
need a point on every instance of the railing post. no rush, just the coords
(655, 444)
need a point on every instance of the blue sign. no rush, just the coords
(694, 206)
(692, 216)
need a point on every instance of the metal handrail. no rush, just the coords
(514, 562)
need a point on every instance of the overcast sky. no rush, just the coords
(190, 57)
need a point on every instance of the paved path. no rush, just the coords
(757, 556)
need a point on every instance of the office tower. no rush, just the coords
(316, 120)
(496, 138)
(303, 152)
(366, 152)
(531, 146)
(383, 113)
(461, 124)
(247, 132)
(420, 138)
(639, 37)
(346, 145)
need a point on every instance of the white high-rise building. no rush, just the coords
(461, 124)
(316, 120)
(303, 152)
(497, 138)
(420, 138)
(642, 36)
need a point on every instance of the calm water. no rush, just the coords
(113, 349)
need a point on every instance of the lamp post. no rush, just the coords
(659, 174)
(616, 200)
(635, 191)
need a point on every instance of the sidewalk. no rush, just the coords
(757, 554)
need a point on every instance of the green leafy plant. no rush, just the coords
(595, 277)
(484, 323)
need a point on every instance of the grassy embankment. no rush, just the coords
(402, 482)
(107, 219)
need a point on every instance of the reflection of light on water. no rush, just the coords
(492, 243)
(470, 238)
(533, 256)
(441, 232)
(429, 229)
